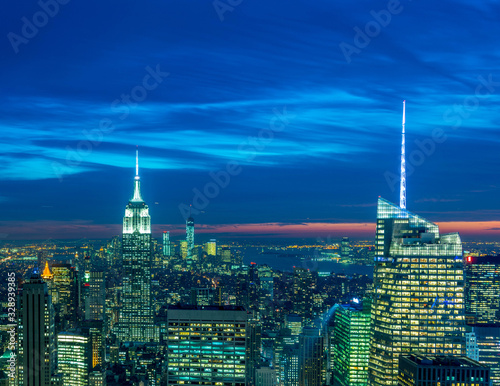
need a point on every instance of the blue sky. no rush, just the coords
(266, 85)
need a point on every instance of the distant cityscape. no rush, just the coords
(411, 308)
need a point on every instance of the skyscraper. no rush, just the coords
(190, 237)
(94, 301)
(136, 316)
(482, 305)
(211, 247)
(488, 344)
(37, 353)
(302, 292)
(345, 248)
(166, 244)
(312, 368)
(253, 349)
(93, 330)
(418, 300)
(206, 345)
(73, 358)
(64, 291)
(351, 344)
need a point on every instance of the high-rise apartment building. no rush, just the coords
(136, 316)
(206, 345)
(36, 346)
(482, 286)
(418, 303)
(351, 344)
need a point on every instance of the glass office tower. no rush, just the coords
(73, 358)
(418, 303)
(206, 345)
(351, 344)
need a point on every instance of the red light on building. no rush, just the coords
(469, 259)
(253, 263)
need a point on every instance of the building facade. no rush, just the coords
(166, 244)
(487, 339)
(73, 358)
(136, 316)
(351, 345)
(312, 363)
(482, 305)
(206, 345)
(419, 370)
(95, 299)
(36, 345)
(418, 303)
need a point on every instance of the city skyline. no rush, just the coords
(324, 98)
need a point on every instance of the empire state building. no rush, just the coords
(136, 316)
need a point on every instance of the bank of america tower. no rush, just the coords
(418, 304)
(136, 316)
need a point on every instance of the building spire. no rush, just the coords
(137, 180)
(137, 161)
(402, 190)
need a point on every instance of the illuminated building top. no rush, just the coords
(46, 272)
(137, 217)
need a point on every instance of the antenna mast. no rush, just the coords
(137, 161)
(402, 190)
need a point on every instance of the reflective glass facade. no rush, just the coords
(418, 303)
(351, 345)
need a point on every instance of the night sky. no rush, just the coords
(300, 100)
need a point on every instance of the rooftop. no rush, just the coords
(448, 360)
